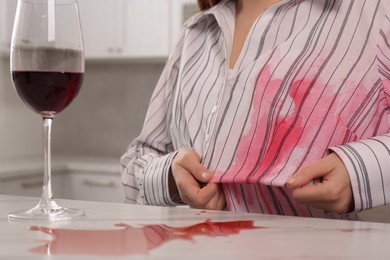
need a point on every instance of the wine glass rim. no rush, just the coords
(45, 2)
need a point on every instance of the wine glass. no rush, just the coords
(47, 68)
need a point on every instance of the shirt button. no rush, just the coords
(214, 109)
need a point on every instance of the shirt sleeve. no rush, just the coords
(368, 161)
(146, 164)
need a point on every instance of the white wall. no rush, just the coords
(109, 110)
(106, 115)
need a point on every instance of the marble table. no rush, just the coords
(120, 231)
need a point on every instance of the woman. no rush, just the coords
(278, 107)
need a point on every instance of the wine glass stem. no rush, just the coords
(47, 194)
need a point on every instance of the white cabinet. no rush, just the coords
(125, 28)
(32, 185)
(147, 32)
(94, 187)
(119, 29)
(28, 186)
(81, 179)
(68, 185)
(102, 25)
(132, 29)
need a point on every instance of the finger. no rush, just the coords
(325, 195)
(318, 205)
(190, 160)
(218, 201)
(311, 172)
(310, 193)
(190, 191)
(208, 197)
(200, 198)
(208, 192)
(185, 182)
(339, 206)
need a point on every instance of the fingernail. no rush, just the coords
(290, 180)
(206, 175)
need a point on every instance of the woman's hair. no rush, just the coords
(206, 4)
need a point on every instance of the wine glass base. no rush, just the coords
(46, 214)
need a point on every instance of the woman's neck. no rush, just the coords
(247, 12)
(253, 6)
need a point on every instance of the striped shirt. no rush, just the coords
(313, 76)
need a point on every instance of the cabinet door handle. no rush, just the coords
(31, 184)
(99, 183)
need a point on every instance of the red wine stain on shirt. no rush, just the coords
(128, 240)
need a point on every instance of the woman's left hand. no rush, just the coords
(333, 193)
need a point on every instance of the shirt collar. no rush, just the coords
(225, 6)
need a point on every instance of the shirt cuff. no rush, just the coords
(154, 186)
(368, 164)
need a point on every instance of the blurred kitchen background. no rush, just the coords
(126, 43)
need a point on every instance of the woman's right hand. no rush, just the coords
(187, 174)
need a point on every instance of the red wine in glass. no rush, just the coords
(47, 91)
(47, 82)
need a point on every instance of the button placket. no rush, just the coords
(212, 118)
